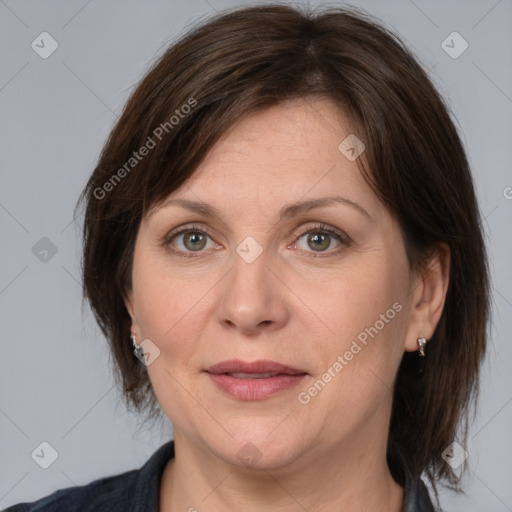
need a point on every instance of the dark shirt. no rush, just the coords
(138, 490)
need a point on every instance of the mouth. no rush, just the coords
(242, 375)
(254, 380)
(256, 369)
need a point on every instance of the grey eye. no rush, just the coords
(194, 241)
(319, 241)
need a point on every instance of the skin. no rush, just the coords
(296, 303)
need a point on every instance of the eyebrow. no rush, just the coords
(287, 211)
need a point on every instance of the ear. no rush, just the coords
(429, 289)
(128, 301)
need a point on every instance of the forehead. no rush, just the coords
(289, 150)
(276, 157)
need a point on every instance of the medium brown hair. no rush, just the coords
(247, 59)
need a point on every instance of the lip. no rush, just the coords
(260, 366)
(257, 388)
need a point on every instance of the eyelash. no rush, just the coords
(317, 228)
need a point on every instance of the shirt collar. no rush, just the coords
(147, 491)
(416, 496)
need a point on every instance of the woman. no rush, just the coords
(282, 245)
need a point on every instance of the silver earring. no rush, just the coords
(421, 344)
(138, 351)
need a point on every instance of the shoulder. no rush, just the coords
(133, 490)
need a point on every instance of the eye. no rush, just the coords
(192, 239)
(320, 238)
(187, 240)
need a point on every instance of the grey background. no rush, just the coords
(55, 378)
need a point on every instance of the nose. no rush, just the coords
(253, 299)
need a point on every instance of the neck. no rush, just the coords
(351, 479)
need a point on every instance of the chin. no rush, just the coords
(261, 452)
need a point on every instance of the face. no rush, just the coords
(325, 290)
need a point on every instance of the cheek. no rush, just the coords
(166, 308)
(363, 307)
(168, 304)
(361, 301)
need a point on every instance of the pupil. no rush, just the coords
(195, 239)
(321, 239)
